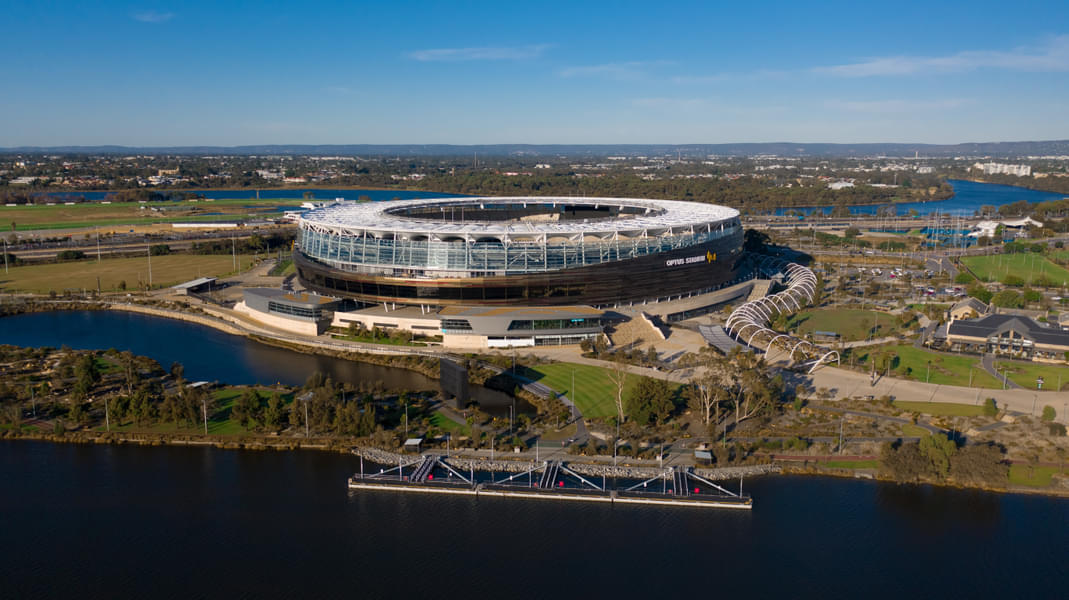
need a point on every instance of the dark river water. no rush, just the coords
(208, 354)
(133, 522)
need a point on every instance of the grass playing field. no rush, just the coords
(851, 324)
(94, 214)
(82, 274)
(1027, 266)
(594, 394)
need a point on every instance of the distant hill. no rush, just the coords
(993, 149)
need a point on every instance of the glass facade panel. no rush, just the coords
(456, 258)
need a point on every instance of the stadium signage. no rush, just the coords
(678, 262)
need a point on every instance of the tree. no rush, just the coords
(272, 417)
(246, 407)
(710, 385)
(131, 374)
(979, 464)
(86, 374)
(651, 399)
(617, 374)
(990, 408)
(177, 371)
(77, 413)
(1048, 413)
(939, 450)
(904, 463)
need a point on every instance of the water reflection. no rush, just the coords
(208, 354)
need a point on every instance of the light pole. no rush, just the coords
(928, 374)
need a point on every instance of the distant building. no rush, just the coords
(968, 308)
(1009, 335)
(993, 168)
(838, 185)
(1011, 227)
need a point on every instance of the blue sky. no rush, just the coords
(232, 73)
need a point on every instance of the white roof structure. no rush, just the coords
(988, 228)
(648, 218)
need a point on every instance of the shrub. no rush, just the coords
(1056, 429)
(990, 408)
(1048, 413)
(70, 255)
(979, 463)
(1013, 281)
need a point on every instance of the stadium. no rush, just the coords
(518, 251)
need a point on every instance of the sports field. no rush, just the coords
(594, 393)
(850, 323)
(97, 214)
(1027, 266)
(167, 270)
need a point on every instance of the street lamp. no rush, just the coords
(928, 374)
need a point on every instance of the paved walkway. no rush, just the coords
(843, 382)
(988, 362)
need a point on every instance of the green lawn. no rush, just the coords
(1025, 265)
(911, 430)
(1025, 374)
(940, 409)
(850, 323)
(852, 464)
(167, 270)
(284, 268)
(947, 369)
(1040, 476)
(444, 423)
(594, 393)
(93, 214)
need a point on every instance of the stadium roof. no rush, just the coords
(656, 217)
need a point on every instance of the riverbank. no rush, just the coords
(512, 464)
(390, 356)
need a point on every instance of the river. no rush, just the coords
(164, 522)
(211, 355)
(968, 197)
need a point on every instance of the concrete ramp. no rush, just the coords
(760, 289)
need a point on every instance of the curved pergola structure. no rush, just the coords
(754, 316)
